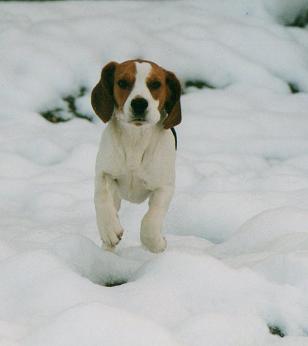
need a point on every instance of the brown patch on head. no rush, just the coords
(113, 88)
(156, 82)
(124, 79)
(165, 87)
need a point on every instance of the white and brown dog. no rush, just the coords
(136, 157)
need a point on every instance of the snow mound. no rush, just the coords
(108, 325)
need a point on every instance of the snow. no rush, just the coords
(236, 265)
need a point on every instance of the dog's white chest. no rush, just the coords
(132, 186)
(137, 164)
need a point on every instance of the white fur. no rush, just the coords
(135, 163)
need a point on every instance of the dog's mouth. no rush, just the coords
(138, 121)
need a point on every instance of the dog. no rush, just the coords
(136, 158)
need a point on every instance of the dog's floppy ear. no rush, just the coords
(102, 95)
(172, 105)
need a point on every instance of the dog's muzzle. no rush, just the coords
(139, 106)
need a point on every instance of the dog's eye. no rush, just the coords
(123, 84)
(154, 85)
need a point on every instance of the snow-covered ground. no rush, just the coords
(236, 266)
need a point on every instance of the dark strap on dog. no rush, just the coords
(175, 137)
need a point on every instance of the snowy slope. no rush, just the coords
(236, 266)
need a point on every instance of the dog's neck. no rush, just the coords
(134, 141)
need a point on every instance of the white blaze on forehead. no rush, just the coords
(143, 70)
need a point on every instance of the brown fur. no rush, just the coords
(126, 71)
(158, 74)
(102, 95)
(173, 105)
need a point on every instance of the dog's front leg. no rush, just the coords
(152, 222)
(107, 203)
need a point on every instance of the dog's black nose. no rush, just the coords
(139, 105)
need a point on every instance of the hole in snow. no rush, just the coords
(114, 283)
(68, 109)
(301, 20)
(275, 330)
(198, 83)
(294, 88)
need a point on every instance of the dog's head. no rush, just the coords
(139, 93)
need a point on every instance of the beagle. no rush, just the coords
(136, 158)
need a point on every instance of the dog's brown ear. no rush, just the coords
(102, 95)
(172, 105)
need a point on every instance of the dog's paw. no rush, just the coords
(154, 244)
(111, 238)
